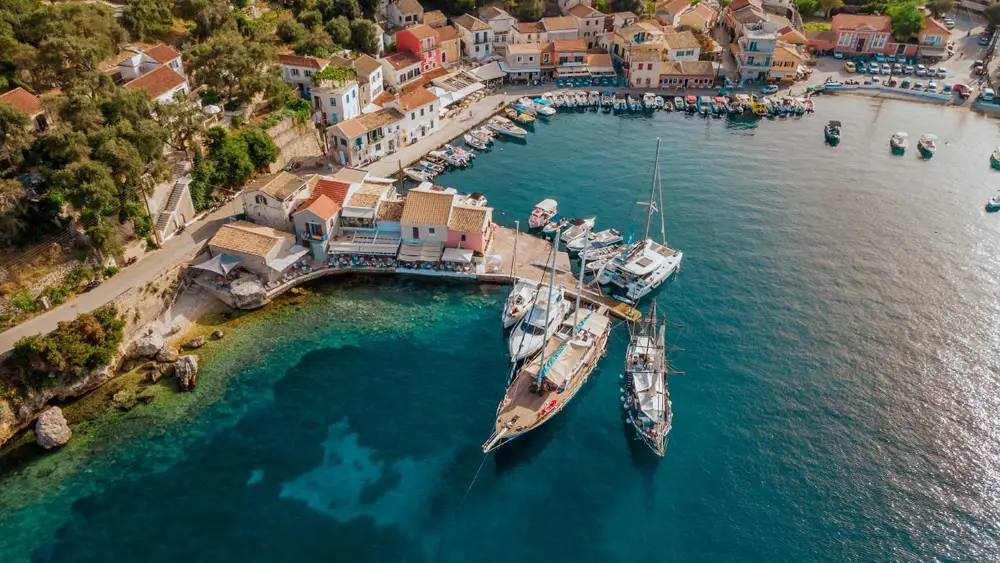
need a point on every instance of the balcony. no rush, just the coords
(311, 236)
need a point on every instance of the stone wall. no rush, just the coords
(297, 144)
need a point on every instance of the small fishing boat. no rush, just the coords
(692, 103)
(543, 213)
(607, 99)
(995, 158)
(452, 159)
(504, 126)
(557, 223)
(519, 301)
(523, 118)
(647, 402)
(545, 313)
(543, 107)
(474, 142)
(459, 152)
(832, 132)
(577, 229)
(658, 102)
(597, 240)
(898, 142)
(592, 267)
(594, 98)
(633, 103)
(993, 204)
(809, 105)
(483, 134)
(678, 103)
(418, 174)
(602, 253)
(437, 168)
(649, 100)
(927, 145)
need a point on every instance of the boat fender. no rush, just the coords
(622, 397)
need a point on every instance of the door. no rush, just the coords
(416, 233)
(860, 47)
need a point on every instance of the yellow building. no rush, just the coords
(642, 37)
(785, 62)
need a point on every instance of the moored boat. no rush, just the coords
(519, 301)
(543, 212)
(832, 132)
(596, 240)
(504, 126)
(545, 314)
(658, 102)
(898, 142)
(927, 145)
(678, 103)
(577, 229)
(555, 224)
(437, 168)
(474, 142)
(993, 204)
(594, 98)
(649, 100)
(418, 174)
(995, 158)
(543, 107)
(647, 401)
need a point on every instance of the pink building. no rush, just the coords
(421, 40)
(859, 34)
(470, 227)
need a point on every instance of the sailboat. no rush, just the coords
(645, 264)
(647, 401)
(547, 383)
(548, 309)
(521, 296)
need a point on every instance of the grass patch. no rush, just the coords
(817, 26)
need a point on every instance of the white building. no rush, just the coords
(562, 27)
(271, 199)
(369, 79)
(365, 138)
(400, 68)
(683, 46)
(146, 61)
(500, 23)
(162, 84)
(404, 13)
(333, 103)
(566, 5)
(524, 61)
(528, 32)
(297, 71)
(420, 110)
(589, 22)
(477, 37)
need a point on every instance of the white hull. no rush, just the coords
(519, 302)
(528, 336)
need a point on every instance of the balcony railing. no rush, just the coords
(311, 236)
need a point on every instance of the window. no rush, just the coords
(432, 124)
(416, 232)
(463, 238)
(260, 199)
(402, 78)
(314, 229)
(531, 59)
(430, 230)
(430, 107)
(421, 112)
(343, 142)
(477, 48)
(309, 73)
(413, 115)
(333, 102)
(378, 146)
(293, 72)
(519, 58)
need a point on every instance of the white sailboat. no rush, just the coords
(647, 400)
(519, 301)
(646, 264)
(547, 311)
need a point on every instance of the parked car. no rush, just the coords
(984, 40)
(769, 89)
(886, 69)
(921, 70)
(838, 55)
(946, 89)
(948, 23)
(918, 86)
(942, 73)
(932, 86)
(862, 67)
(874, 68)
(897, 68)
(849, 67)
(880, 57)
(908, 69)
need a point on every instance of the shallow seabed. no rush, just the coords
(838, 319)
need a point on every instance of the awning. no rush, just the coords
(287, 258)
(461, 255)
(489, 71)
(358, 212)
(506, 68)
(420, 252)
(221, 264)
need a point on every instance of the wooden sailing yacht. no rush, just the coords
(546, 383)
(647, 401)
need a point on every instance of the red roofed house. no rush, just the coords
(400, 68)
(271, 199)
(420, 109)
(297, 71)
(365, 138)
(859, 34)
(477, 36)
(567, 56)
(470, 227)
(146, 61)
(28, 104)
(315, 221)
(421, 40)
(162, 84)
(404, 13)
(933, 39)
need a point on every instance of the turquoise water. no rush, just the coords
(838, 316)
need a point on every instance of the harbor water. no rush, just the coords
(837, 313)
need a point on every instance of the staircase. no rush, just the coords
(163, 221)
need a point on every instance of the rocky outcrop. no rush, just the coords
(196, 342)
(187, 372)
(217, 334)
(51, 429)
(167, 354)
(8, 424)
(148, 346)
(247, 292)
(124, 399)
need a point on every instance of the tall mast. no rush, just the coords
(513, 263)
(663, 226)
(548, 309)
(579, 283)
(652, 189)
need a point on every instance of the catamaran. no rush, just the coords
(646, 263)
(547, 383)
(549, 309)
(647, 401)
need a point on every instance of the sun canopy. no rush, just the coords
(221, 264)
(547, 205)
(461, 255)
(489, 71)
(287, 258)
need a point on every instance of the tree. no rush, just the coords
(530, 10)
(260, 148)
(906, 18)
(182, 120)
(369, 7)
(14, 136)
(210, 16)
(232, 164)
(146, 18)
(634, 6)
(234, 65)
(992, 14)
(829, 5)
(364, 36)
(12, 205)
(807, 7)
(291, 31)
(349, 9)
(940, 7)
(459, 6)
(317, 44)
(311, 19)
(340, 31)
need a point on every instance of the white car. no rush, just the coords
(942, 73)
(932, 86)
(948, 23)
(873, 68)
(921, 70)
(886, 69)
(769, 89)
(908, 69)
(897, 68)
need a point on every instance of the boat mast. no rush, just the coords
(548, 310)
(663, 226)
(513, 263)
(652, 190)
(579, 283)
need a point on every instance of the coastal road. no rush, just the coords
(178, 249)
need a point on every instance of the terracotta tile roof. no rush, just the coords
(673, 6)
(682, 40)
(599, 60)
(584, 11)
(383, 98)
(492, 12)
(435, 16)
(332, 188)
(390, 210)
(524, 48)
(363, 200)
(409, 6)
(857, 21)
(421, 31)
(279, 185)
(794, 36)
(424, 208)
(366, 65)
(705, 12)
(246, 238)
(687, 68)
(470, 22)
(788, 50)
(569, 45)
(628, 15)
(306, 62)
(162, 53)
(402, 59)
(934, 27)
(417, 98)
(561, 23)
(23, 101)
(322, 206)
(158, 81)
(424, 79)
(821, 35)
(468, 219)
(447, 33)
(529, 27)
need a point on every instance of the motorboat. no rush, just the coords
(437, 168)
(927, 145)
(596, 240)
(591, 267)
(582, 99)
(678, 103)
(649, 100)
(459, 152)
(995, 158)
(450, 158)
(418, 174)
(577, 229)
(474, 142)
(832, 132)
(555, 224)
(543, 213)
(993, 204)
(504, 126)
(545, 314)
(658, 102)
(594, 98)
(607, 99)
(543, 107)
(519, 301)
(483, 134)
(898, 142)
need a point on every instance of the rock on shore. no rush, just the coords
(187, 372)
(167, 354)
(51, 429)
(148, 346)
(196, 342)
(8, 424)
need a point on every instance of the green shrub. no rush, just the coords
(210, 97)
(24, 301)
(57, 294)
(78, 276)
(237, 120)
(110, 271)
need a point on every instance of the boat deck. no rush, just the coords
(522, 408)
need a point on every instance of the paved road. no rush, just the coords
(176, 250)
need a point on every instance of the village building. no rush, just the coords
(566, 5)
(336, 101)
(469, 228)
(162, 84)
(148, 60)
(477, 37)
(315, 221)
(421, 40)
(365, 138)
(683, 46)
(621, 20)
(644, 69)
(369, 79)
(263, 250)
(786, 62)
(404, 13)
(858, 34)
(400, 68)
(500, 23)
(687, 74)
(528, 32)
(420, 114)
(523, 61)
(435, 19)
(589, 23)
(297, 72)
(449, 40)
(933, 39)
(28, 104)
(271, 198)
(562, 27)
